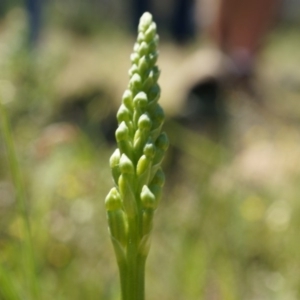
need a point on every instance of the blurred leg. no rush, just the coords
(240, 27)
(183, 21)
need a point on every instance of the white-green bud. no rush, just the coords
(124, 114)
(127, 195)
(143, 165)
(123, 139)
(150, 33)
(149, 150)
(143, 65)
(127, 99)
(122, 132)
(144, 122)
(148, 199)
(145, 21)
(140, 100)
(113, 200)
(126, 165)
(140, 37)
(134, 57)
(143, 49)
(136, 47)
(149, 82)
(115, 158)
(153, 44)
(117, 226)
(134, 69)
(114, 165)
(135, 83)
(153, 58)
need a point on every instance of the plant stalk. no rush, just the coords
(27, 247)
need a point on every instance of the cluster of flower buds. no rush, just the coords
(136, 163)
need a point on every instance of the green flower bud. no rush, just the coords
(158, 117)
(149, 82)
(154, 93)
(123, 140)
(156, 73)
(127, 99)
(140, 100)
(136, 47)
(141, 135)
(150, 33)
(124, 114)
(159, 178)
(143, 49)
(149, 150)
(134, 57)
(144, 122)
(114, 165)
(156, 190)
(147, 220)
(126, 165)
(143, 170)
(162, 142)
(122, 132)
(117, 226)
(148, 199)
(143, 65)
(140, 37)
(153, 44)
(143, 165)
(145, 21)
(135, 83)
(128, 196)
(113, 200)
(153, 58)
(134, 69)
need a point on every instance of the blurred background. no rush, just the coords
(228, 224)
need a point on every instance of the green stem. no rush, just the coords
(132, 248)
(28, 253)
(141, 277)
(123, 278)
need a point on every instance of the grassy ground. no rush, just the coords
(228, 225)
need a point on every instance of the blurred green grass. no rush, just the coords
(227, 227)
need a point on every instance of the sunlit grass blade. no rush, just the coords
(27, 253)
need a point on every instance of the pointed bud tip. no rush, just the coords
(148, 198)
(115, 158)
(126, 165)
(144, 122)
(122, 132)
(146, 19)
(113, 200)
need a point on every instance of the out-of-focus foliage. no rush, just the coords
(228, 223)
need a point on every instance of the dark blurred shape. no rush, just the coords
(34, 8)
(183, 21)
(238, 30)
(202, 102)
(91, 111)
(182, 24)
(138, 8)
